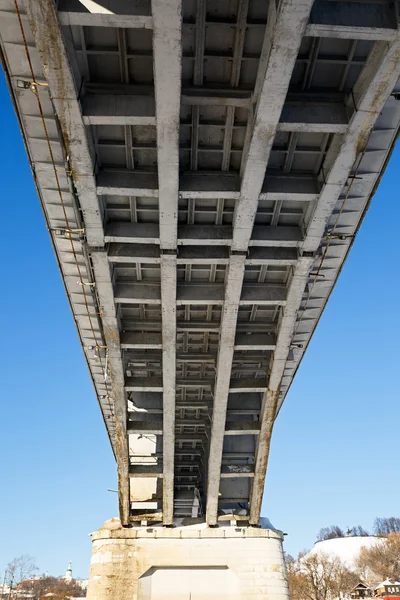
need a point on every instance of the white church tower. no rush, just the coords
(68, 574)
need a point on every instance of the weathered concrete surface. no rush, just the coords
(203, 169)
(193, 562)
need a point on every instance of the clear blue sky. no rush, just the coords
(335, 450)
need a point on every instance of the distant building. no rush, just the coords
(388, 589)
(361, 590)
(68, 577)
(4, 590)
(83, 583)
(68, 573)
(22, 591)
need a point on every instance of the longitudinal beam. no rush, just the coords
(43, 20)
(222, 380)
(168, 315)
(105, 293)
(167, 50)
(369, 95)
(285, 30)
(283, 37)
(271, 396)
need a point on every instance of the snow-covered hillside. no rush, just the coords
(346, 548)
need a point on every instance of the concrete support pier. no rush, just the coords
(191, 562)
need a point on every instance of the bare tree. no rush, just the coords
(329, 533)
(297, 580)
(319, 577)
(20, 568)
(383, 526)
(382, 560)
(60, 588)
(359, 531)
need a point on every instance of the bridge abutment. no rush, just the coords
(189, 562)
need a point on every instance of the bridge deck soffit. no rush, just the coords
(203, 169)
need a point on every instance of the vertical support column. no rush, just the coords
(167, 50)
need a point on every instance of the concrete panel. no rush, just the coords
(192, 562)
(200, 583)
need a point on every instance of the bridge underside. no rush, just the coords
(203, 168)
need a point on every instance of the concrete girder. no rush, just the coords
(192, 185)
(234, 281)
(139, 341)
(370, 93)
(379, 76)
(104, 290)
(109, 109)
(125, 253)
(181, 357)
(200, 294)
(168, 311)
(154, 384)
(167, 77)
(191, 438)
(242, 428)
(361, 20)
(255, 341)
(186, 326)
(142, 470)
(237, 471)
(135, 15)
(271, 395)
(144, 413)
(203, 244)
(283, 38)
(167, 50)
(148, 427)
(154, 426)
(227, 470)
(49, 41)
(353, 20)
(139, 109)
(205, 235)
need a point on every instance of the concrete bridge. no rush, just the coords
(203, 169)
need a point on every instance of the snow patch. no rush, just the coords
(347, 549)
